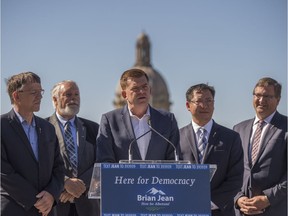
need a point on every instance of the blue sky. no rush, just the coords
(229, 44)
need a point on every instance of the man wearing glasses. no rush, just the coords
(32, 171)
(264, 140)
(203, 141)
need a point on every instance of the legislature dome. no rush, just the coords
(159, 92)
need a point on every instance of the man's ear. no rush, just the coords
(15, 96)
(123, 93)
(54, 101)
(188, 105)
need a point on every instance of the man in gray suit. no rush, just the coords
(32, 172)
(264, 190)
(79, 161)
(120, 128)
(205, 141)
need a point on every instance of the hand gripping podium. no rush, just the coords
(152, 188)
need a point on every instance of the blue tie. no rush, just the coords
(202, 141)
(70, 147)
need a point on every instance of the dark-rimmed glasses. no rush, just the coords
(265, 97)
(205, 102)
(33, 92)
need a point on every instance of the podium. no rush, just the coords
(152, 188)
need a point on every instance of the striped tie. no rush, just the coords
(202, 142)
(70, 147)
(256, 141)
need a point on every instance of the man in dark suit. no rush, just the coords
(79, 163)
(32, 173)
(205, 141)
(264, 190)
(119, 128)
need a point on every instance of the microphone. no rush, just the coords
(175, 151)
(130, 145)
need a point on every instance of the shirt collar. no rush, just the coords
(21, 119)
(146, 114)
(64, 121)
(266, 120)
(207, 127)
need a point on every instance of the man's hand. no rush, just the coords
(44, 203)
(66, 197)
(75, 187)
(254, 205)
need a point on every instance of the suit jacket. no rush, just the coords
(86, 132)
(116, 133)
(223, 149)
(269, 173)
(22, 176)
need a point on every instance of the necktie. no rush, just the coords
(256, 141)
(70, 148)
(202, 141)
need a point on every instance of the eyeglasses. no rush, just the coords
(33, 92)
(265, 97)
(206, 102)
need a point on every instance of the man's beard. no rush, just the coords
(70, 110)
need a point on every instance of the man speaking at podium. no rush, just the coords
(137, 131)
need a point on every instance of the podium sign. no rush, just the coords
(155, 189)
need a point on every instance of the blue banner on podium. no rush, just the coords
(155, 190)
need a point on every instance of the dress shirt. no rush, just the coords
(73, 130)
(31, 133)
(266, 122)
(140, 126)
(208, 128)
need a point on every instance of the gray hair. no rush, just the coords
(56, 90)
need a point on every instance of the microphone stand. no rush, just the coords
(175, 151)
(130, 145)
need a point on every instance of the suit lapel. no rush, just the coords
(190, 136)
(247, 131)
(270, 131)
(155, 138)
(16, 125)
(54, 121)
(81, 135)
(212, 141)
(130, 132)
(41, 141)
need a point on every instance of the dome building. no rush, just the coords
(159, 92)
